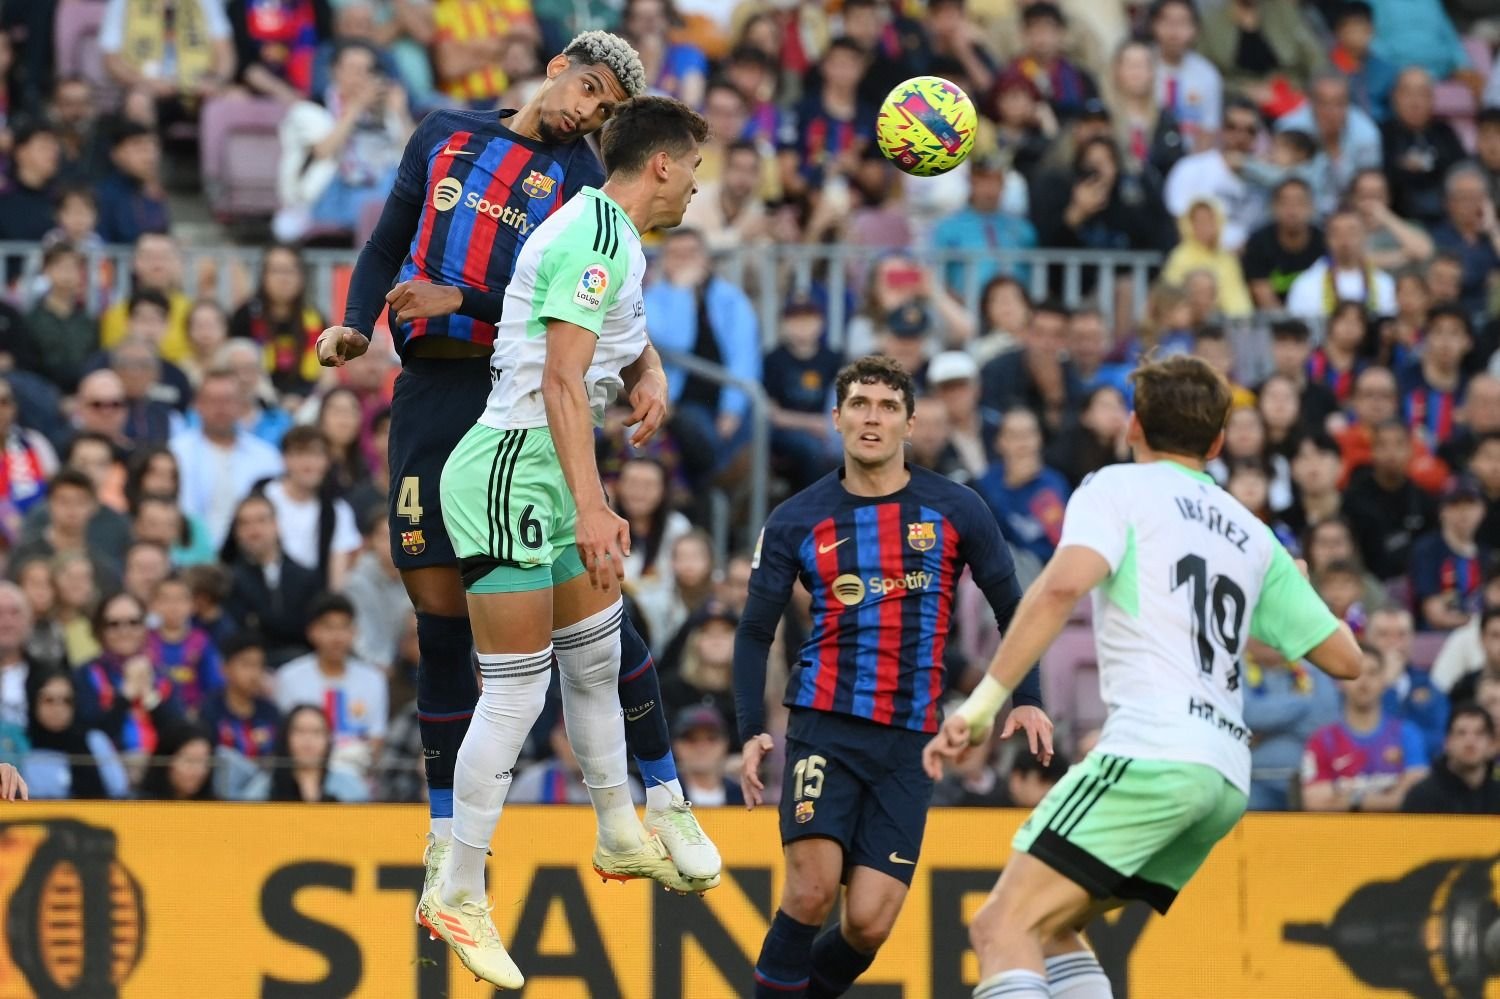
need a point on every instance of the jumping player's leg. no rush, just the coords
(446, 689)
(646, 719)
(814, 870)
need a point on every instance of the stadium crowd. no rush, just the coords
(201, 600)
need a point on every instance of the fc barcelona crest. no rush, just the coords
(922, 536)
(538, 185)
(803, 812)
(413, 543)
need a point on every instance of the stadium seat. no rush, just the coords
(238, 153)
(1070, 680)
(76, 47)
(1455, 101)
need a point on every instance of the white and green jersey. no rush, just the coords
(583, 265)
(1192, 575)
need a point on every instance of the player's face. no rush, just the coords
(681, 185)
(578, 100)
(873, 423)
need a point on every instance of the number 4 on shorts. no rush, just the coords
(409, 499)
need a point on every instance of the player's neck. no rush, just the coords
(878, 480)
(634, 200)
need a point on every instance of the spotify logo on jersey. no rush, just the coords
(849, 589)
(446, 192)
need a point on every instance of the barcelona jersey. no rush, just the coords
(882, 572)
(482, 189)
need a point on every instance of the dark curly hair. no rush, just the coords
(877, 369)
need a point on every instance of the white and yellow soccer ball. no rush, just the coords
(926, 126)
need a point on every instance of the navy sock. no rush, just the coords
(446, 695)
(785, 960)
(645, 717)
(835, 965)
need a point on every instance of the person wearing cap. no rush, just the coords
(1448, 564)
(1062, 84)
(130, 196)
(953, 377)
(983, 226)
(26, 208)
(700, 738)
(798, 376)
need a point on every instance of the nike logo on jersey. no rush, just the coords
(825, 549)
(450, 151)
(900, 860)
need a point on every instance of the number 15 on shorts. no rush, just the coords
(807, 785)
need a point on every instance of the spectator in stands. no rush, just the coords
(1216, 173)
(676, 69)
(179, 52)
(1386, 509)
(1201, 248)
(1462, 781)
(1391, 242)
(1099, 207)
(152, 472)
(339, 152)
(182, 767)
(469, 43)
(1004, 312)
(733, 586)
(1472, 231)
(1410, 693)
(318, 530)
(1367, 760)
(700, 742)
(1285, 703)
(182, 651)
(207, 332)
(983, 226)
(1316, 469)
(77, 595)
(217, 460)
(1479, 420)
(1344, 275)
(1432, 387)
(728, 210)
(1278, 252)
(957, 41)
(44, 645)
(1145, 128)
(71, 504)
(1462, 679)
(1484, 466)
(1418, 149)
(1024, 123)
(830, 129)
(1336, 364)
(15, 666)
(73, 113)
(401, 31)
(1370, 76)
(693, 311)
(380, 603)
(157, 520)
(59, 323)
(1187, 84)
(120, 692)
(667, 602)
(642, 497)
(341, 420)
(353, 694)
(279, 319)
(146, 564)
(304, 773)
(1447, 563)
(156, 263)
(1026, 497)
(1291, 352)
(78, 223)
(1095, 439)
(1487, 146)
(1419, 32)
(275, 44)
(264, 417)
(270, 594)
(66, 759)
(1281, 412)
(155, 390)
(130, 195)
(27, 206)
(898, 282)
(975, 782)
(1038, 376)
(798, 376)
(1062, 84)
(1265, 48)
(754, 74)
(29, 462)
(702, 676)
(1373, 404)
(953, 379)
(211, 585)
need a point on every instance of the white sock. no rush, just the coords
(660, 796)
(1015, 984)
(441, 829)
(588, 657)
(515, 688)
(1077, 975)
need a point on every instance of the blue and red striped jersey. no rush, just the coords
(1431, 412)
(882, 572)
(482, 189)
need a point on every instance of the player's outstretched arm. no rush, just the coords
(603, 536)
(1040, 617)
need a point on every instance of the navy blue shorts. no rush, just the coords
(859, 783)
(435, 402)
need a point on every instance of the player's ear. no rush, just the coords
(556, 65)
(662, 163)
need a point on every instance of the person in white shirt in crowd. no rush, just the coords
(1187, 84)
(318, 530)
(1216, 173)
(220, 461)
(1348, 138)
(353, 694)
(381, 605)
(1345, 275)
(729, 211)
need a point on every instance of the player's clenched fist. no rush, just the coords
(423, 300)
(340, 344)
(951, 742)
(752, 756)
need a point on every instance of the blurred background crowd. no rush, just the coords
(200, 599)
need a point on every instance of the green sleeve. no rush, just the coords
(576, 283)
(1290, 616)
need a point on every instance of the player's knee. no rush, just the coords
(436, 590)
(809, 900)
(867, 933)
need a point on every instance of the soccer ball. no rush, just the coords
(926, 126)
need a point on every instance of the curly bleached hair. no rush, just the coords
(600, 48)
